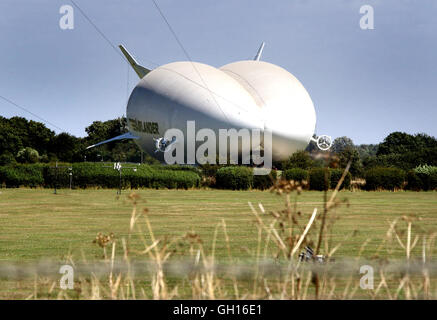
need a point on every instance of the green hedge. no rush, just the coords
(263, 182)
(145, 176)
(90, 174)
(414, 182)
(418, 181)
(296, 174)
(103, 175)
(428, 176)
(405, 160)
(336, 176)
(175, 167)
(238, 177)
(234, 178)
(384, 178)
(171, 179)
(21, 175)
(62, 173)
(210, 170)
(317, 179)
(429, 181)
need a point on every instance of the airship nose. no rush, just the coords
(292, 128)
(285, 105)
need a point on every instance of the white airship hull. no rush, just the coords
(244, 94)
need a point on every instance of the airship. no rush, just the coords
(251, 94)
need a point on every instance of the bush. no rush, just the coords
(264, 182)
(405, 161)
(428, 176)
(175, 167)
(425, 169)
(299, 159)
(320, 179)
(296, 174)
(336, 176)
(19, 175)
(384, 178)
(234, 178)
(210, 170)
(413, 181)
(429, 181)
(171, 179)
(352, 155)
(28, 155)
(7, 158)
(90, 174)
(145, 176)
(60, 176)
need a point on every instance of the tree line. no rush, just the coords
(398, 150)
(28, 141)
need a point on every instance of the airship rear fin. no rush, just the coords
(260, 52)
(140, 70)
(120, 137)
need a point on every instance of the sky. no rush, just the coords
(364, 84)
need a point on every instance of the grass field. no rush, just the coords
(35, 224)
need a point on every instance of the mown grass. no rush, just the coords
(36, 224)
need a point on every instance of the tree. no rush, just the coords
(7, 158)
(28, 155)
(99, 131)
(341, 143)
(424, 141)
(312, 146)
(367, 150)
(396, 142)
(67, 148)
(114, 151)
(401, 142)
(17, 132)
(10, 140)
(351, 154)
(299, 159)
(39, 136)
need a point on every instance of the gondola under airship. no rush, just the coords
(250, 94)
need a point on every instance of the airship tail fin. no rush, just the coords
(140, 70)
(120, 137)
(260, 52)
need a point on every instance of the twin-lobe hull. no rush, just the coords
(245, 94)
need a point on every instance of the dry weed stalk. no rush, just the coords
(278, 273)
